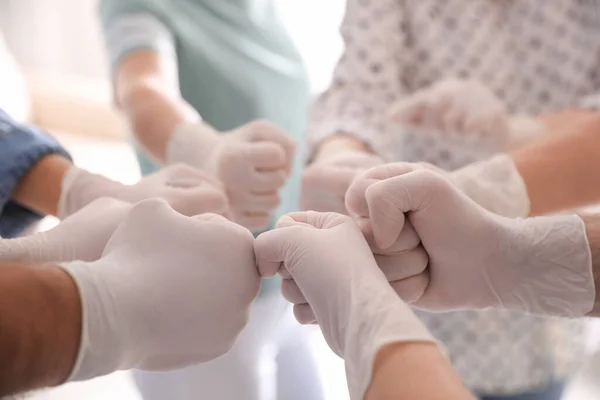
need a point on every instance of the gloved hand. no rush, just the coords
(325, 181)
(456, 107)
(467, 109)
(495, 184)
(252, 161)
(326, 260)
(168, 292)
(478, 259)
(81, 236)
(187, 190)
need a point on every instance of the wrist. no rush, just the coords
(339, 144)
(496, 185)
(40, 188)
(395, 324)
(22, 249)
(154, 112)
(549, 271)
(524, 129)
(101, 349)
(69, 320)
(79, 188)
(193, 144)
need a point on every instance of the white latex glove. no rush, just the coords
(332, 267)
(466, 109)
(495, 184)
(252, 161)
(168, 292)
(324, 182)
(81, 236)
(478, 259)
(187, 190)
(411, 280)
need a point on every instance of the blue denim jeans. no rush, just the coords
(554, 391)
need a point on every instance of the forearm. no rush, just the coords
(40, 326)
(154, 114)
(339, 143)
(559, 122)
(147, 90)
(562, 171)
(415, 371)
(40, 187)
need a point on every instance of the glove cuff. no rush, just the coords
(80, 187)
(524, 129)
(192, 144)
(395, 323)
(496, 185)
(100, 352)
(556, 276)
(65, 189)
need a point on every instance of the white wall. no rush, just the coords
(54, 35)
(63, 36)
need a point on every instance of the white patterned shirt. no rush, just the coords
(536, 56)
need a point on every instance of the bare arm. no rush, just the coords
(147, 90)
(561, 172)
(40, 325)
(407, 370)
(339, 143)
(561, 122)
(40, 187)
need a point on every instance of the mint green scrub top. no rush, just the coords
(236, 63)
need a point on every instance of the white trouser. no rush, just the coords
(270, 360)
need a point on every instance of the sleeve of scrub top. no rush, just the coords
(132, 32)
(367, 79)
(21, 147)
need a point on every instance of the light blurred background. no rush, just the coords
(59, 49)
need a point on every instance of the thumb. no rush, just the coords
(386, 220)
(356, 202)
(273, 248)
(391, 199)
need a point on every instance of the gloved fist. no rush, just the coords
(477, 259)
(457, 108)
(252, 161)
(404, 263)
(324, 182)
(495, 184)
(81, 236)
(168, 292)
(331, 276)
(187, 190)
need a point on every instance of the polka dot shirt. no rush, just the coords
(536, 56)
